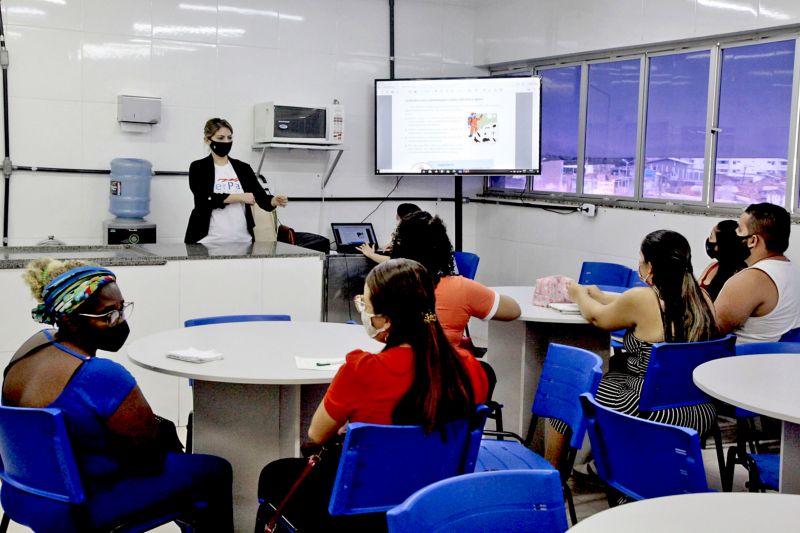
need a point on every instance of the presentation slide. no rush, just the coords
(457, 126)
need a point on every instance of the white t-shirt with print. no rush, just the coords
(228, 224)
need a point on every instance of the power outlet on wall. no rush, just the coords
(589, 210)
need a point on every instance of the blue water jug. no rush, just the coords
(130, 187)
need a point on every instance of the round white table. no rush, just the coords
(767, 384)
(709, 512)
(247, 406)
(517, 350)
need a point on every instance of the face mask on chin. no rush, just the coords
(220, 148)
(372, 331)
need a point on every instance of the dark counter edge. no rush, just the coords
(151, 254)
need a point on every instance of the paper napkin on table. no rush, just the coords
(193, 355)
(318, 363)
(569, 308)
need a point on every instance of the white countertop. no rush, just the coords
(767, 384)
(254, 352)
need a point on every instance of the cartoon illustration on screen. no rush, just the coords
(482, 127)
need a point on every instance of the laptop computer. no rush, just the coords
(349, 235)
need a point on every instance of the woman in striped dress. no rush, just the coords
(672, 308)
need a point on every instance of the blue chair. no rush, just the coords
(609, 277)
(793, 335)
(382, 465)
(567, 373)
(42, 487)
(508, 502)
(634, 280)
(668, 381)
(226, 319)
(604, 274)
(763, 468)
(466, 263)
(223, 319)
(643, 459)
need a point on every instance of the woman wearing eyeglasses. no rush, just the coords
(121, 447)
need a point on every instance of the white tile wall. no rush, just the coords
(517, 30)
(72, 58)
(65, 14)
(118, 17)
(247, 23)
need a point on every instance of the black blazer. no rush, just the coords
(201, 181)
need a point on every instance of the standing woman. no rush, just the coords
(223, 188)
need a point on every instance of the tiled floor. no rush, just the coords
(588, 494)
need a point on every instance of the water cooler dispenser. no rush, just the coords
(129, 203)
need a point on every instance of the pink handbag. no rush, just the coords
(551, 290)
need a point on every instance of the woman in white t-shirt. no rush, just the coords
(223, 188)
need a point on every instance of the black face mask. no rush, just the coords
(744, 250)
(111, 339)
(711, 249)
(220, 148)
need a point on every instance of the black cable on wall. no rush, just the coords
(7, 153)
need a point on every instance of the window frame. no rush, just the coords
(715, 47)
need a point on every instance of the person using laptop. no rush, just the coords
(423, 238)
(223, 189)
(403, 210)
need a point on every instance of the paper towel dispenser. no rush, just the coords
(138, 109)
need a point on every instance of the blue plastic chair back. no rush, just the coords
(604, 274)
(793, 335)
(643, 459)
(226, 319)
(668, 381)
(767, 347)
(506, 501)
(567, 373)
(37, 455)
(634, 280)
(466, 263)
(383, 465)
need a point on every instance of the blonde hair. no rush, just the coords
(213, 125)
(40, 272)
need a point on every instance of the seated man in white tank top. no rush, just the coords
(761, 302)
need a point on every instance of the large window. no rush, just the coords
(561, 99)
(675, 140)
(713, 125)
(755, 98)
(612, 113)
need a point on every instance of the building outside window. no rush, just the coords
(611, 123)
(755, 99)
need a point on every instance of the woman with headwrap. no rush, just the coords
(119, 444)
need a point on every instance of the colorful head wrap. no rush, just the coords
(69, 290)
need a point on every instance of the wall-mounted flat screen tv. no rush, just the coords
(458, 126)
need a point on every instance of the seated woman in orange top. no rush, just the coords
(423, 238)
(418, 379)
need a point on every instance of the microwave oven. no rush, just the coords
(277, 123)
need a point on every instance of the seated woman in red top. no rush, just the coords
(419, 378)
(423, 237)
